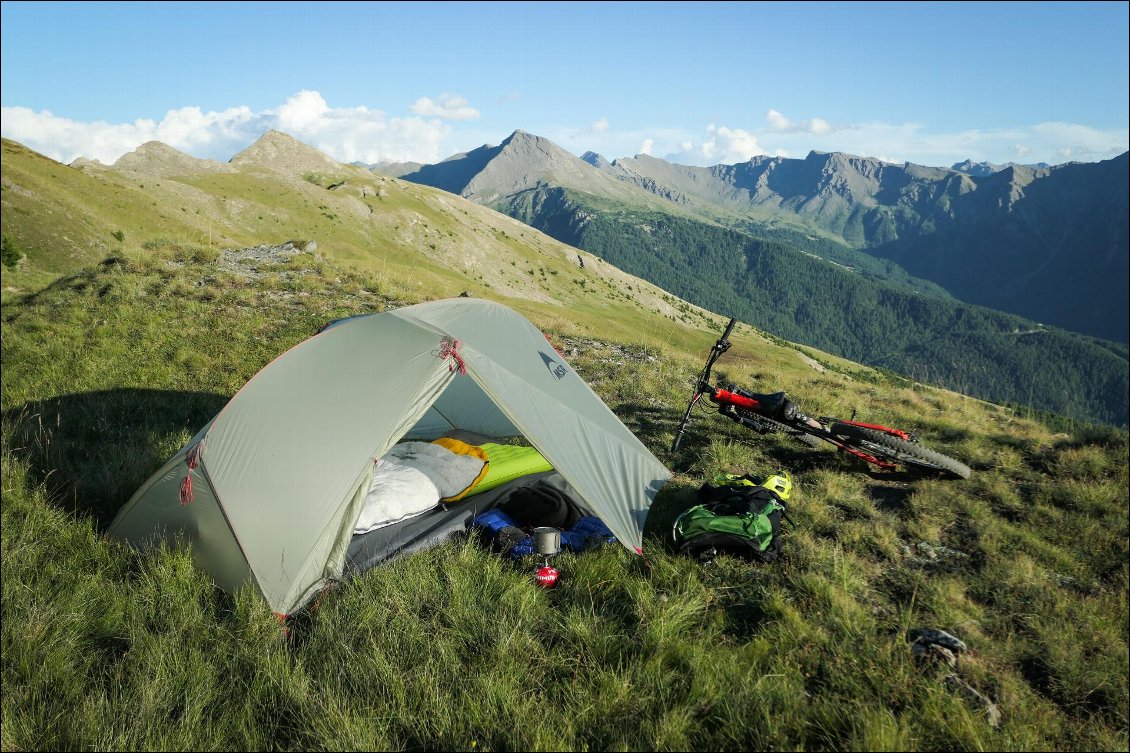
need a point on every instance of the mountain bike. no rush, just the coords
(882, 446)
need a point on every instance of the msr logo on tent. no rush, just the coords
(554, 368)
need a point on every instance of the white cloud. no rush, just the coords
(447, 107)
(819, 126)
(889, 142)
(187, 129)
(1080, 142)
(345, 133)
(913, 142)
(729, 145)
(358, 134)
(899, 142)
(371, 135)
(303, 111)
(719, 145)
(778, 123)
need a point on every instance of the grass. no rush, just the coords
(414, 242)
(108, 371)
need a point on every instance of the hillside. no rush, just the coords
(797, 285)
(414, 238)
(1048, 243)
(806, 299)
(1058, 254)
(110, 369)
(1032, 240)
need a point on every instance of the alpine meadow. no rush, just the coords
(139, 297)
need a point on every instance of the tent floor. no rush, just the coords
(436, 526)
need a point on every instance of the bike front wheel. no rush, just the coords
(900, 451)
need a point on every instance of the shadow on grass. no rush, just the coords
(93, 450)
(892, 499)
(671, 501)
(655, 426)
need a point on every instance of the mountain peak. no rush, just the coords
(81, 162)
(535, 154)
(522, 138)
(839, 158)
(976, 169)
(522, 161)
(596, 160)
(394, 169)
(282, 152)
(154, 158)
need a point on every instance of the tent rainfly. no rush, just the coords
(268, 492)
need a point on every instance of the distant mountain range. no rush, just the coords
(1049, 243)
(981, 169)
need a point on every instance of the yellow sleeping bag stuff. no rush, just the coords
(462, 448)
(504, 462)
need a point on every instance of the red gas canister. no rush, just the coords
(546, 576)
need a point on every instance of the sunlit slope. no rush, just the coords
(415, 239)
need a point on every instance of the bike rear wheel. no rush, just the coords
(797, 434)
(900, 451)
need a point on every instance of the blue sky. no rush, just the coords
(698, 83)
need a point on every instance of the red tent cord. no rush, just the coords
(186, 495)
(449, 348)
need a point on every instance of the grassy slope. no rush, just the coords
(108, 371)
(417, 242)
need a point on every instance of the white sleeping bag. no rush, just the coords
(411, 479)
(396, 492)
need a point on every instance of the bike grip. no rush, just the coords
(729, 329)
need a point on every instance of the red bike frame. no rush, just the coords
(725, 397)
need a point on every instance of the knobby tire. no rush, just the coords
(901, 451)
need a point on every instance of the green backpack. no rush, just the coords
(736, 515)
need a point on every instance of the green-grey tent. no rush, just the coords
(269, 490)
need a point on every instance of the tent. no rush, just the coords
(268, 491)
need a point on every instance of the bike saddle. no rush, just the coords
(777, 405)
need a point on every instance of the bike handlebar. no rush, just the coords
(703, 384)
(729, 329)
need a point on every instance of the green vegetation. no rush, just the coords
(1056, 252)
(977, 351)
(848, 258)
(109, 370)
(10, 252)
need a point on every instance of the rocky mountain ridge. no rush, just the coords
(1032, 240)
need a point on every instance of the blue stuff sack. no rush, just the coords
(585, 534)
